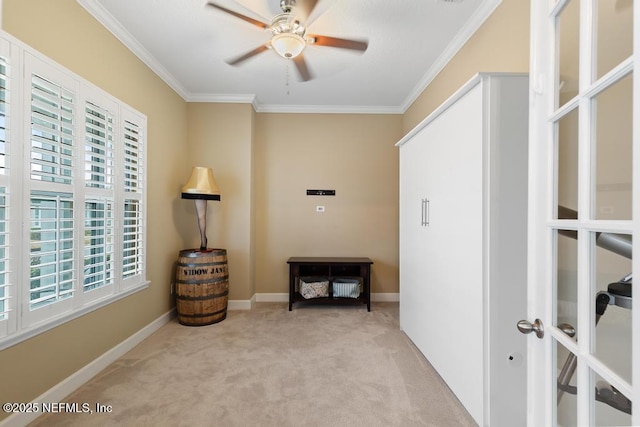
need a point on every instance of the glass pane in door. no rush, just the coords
(612, 408)
(568, 37)
(567, 165)
(613, 109)
(614, 33)
(612, 317)
(567, 278)
(566, 412)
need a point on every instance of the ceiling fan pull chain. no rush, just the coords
(287, 76)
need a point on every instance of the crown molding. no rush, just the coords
(472, 25)
(329, 109)
(224, 99)
(277, 108)
(96, 10)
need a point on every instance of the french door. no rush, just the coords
(584, 213)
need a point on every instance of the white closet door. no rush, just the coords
(412, 228)
(441, 284)
(454, 250)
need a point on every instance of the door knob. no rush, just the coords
(567, 329)
(527, 327)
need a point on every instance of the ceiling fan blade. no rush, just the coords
(336, 42)
(302, 67)
(239, 15)
(249, 54)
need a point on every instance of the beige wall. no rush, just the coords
(79, 43)
(221, 137)
(501, 44)
(263, 164)
(352, 154)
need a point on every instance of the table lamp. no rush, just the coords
(200, 188)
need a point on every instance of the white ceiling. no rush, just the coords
(188, 43)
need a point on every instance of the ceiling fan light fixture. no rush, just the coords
(288, 45)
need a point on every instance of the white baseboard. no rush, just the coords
(385, 297)
(284, 297)
(70, 384)
(241, 304)
(273, 297)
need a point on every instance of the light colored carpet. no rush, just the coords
(314, 366)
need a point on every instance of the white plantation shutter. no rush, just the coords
(51, 99)
(51, 248)
(133, 161)
(4, 115)
(8, 202)
(98, 244)
(133, 249)
(133, 233)
(4, 252)
(99, 258)
(72, 195)
(52, 131)
(99, 135)
(5, 282)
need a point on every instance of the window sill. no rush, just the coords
(20, 336)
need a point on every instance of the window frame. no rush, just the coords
(23, 322)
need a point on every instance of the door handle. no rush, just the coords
(527, 327)
(425, 213)
(567, 329)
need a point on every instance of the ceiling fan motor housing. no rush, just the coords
(287, 5)
(287, 23)
(288, 34)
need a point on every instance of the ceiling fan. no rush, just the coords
(289, 36)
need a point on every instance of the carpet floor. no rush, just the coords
(313, 366)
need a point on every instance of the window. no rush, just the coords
(98, 171)
(3, 115)
(3, 256)
(51, 267)
(133, 239)
(52, 132)
(98, 244)
(5, 278)
(77, 178)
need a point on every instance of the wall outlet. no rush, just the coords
(319, 208)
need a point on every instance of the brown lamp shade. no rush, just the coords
(201, 185)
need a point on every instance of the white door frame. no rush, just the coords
(541, 374)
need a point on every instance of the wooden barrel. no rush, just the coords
(202, 286)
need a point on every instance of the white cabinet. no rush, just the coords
(463, 228)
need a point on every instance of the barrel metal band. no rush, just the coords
(203, 298)
(200, 264)
(203, 281)
(204, 315)
(200, 254)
